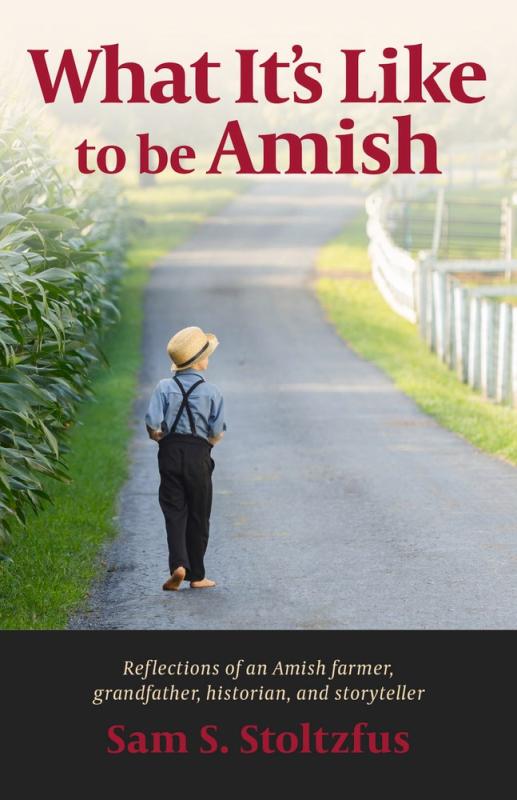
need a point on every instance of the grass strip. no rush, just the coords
(376, 333)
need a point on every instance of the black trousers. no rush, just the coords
(185, 497)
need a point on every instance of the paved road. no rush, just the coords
(337, 503)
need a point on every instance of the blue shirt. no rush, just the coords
(205, 401)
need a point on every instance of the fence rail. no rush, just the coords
(451, 228)
(393, 267)
(473, 329)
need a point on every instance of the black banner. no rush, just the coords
(195, 710)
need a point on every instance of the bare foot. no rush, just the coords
(204, 584)
(174, 582)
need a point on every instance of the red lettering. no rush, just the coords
(390, 77)
(118, 740)
(137, 743)
(246, 76)
(357, 734)
(385, 742)
(201, 67)
(340, 742)
(458, 78)
(271, 67)
(404, 149)
(174, 741)
(248, 739)
(286, 742)
(82, 158)
(102, 158)
(352, 79)
(176, 83)
(112, 77)
(416, 83)
(145, 148)
(239, 149)
(346, 142)
(295, 143)
(120, 159)
(379, 155)
(308, 82)
(177, 155)
(207, 737)
(401, 742)
(67, 66)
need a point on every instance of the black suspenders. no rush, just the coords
(185, 404)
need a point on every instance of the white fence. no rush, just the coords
(469, 328)
(394, 271)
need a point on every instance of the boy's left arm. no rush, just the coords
(155, 416)
(155, 435)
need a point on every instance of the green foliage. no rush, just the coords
(56, 556)
(61, 248)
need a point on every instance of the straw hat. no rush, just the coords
(189, 345)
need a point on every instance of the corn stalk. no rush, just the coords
(61, 250)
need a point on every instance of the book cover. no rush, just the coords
(258, 393)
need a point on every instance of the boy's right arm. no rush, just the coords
(216, 422)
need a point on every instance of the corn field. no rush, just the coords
(61, 250)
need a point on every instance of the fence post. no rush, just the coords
(438, 221)
(421, 292)
(431, 309)
(461, 339)
(450, 166)
(407, 226)
(506, 232)
(440, 311)
(488, 321)
(514, 356)
(474, 350)
(503, 353)
(450, 338)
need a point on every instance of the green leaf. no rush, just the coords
(9, 218)
(15, 238)
(51, 222)
(56, 275)
(51, 439)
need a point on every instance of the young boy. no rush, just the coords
(186, 418)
